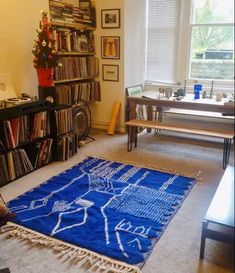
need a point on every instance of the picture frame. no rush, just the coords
(141, 111)
(110, 47)
(110, 72)
(110, 18)
(134, 91)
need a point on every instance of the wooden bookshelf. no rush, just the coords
(81, 26)
(22, 130)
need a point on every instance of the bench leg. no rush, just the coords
(129, 140)
(136, 133)
(132, 137)
(203, 239)
(226, 152)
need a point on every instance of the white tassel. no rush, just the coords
(96, 262)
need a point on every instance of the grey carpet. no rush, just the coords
(178, 249)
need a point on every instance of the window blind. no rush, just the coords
(163, 22)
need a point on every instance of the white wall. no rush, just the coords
(110, 91)
(18, 23)
(132, 60)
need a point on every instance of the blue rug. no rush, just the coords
(114, 209)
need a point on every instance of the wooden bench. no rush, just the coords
(226, 135)
(220, 212)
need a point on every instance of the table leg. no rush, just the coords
(226, 152)
(135, 133)
(203, 238)
(5, 270)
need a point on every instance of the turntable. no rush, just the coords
(11, 105)
(17, 101)
(8, 97)
(13, 102)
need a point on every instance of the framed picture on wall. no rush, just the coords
(110, 72)
(110, 47)
(110, 18)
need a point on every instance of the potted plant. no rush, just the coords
(46, 58)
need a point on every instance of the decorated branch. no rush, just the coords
(45, 55)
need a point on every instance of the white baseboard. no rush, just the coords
(121, 128)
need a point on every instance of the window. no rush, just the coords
(212, 40)
(162, 40)
(190, 40)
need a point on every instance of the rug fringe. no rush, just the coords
(95, 262)
(149, 166)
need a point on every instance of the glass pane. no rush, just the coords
(213, 11)
(212, 52)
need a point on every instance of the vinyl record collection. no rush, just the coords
(67, 146)
(70, 94)
(22, 129)
(18, 162)
(74, 67)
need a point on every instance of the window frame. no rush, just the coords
(184, 54)
(191, 26)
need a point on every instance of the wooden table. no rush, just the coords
(189, 106)
(220, 212)
(133, 122)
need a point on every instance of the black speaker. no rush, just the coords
(47, 94)
(81, 120)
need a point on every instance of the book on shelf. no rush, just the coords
(71, 12)
(17, 167)
(4, 175)
(67, 146)
(23, 129)
(27, 165)
(44, 153)
(39, 125)
(64, 120)
(48, 154)
(10, 164)
(10, 142)
(15, 129)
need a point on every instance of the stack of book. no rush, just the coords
(67, 12)
(56, 9)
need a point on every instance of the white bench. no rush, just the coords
(220, 212)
